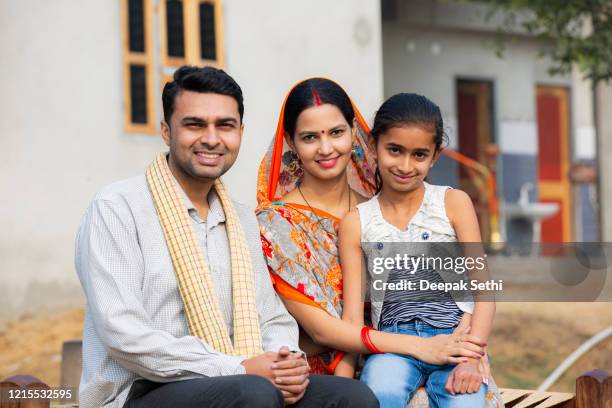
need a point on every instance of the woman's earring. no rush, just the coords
(289, 157)
(293, 164)
(357, 151)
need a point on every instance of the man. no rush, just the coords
(180, 308)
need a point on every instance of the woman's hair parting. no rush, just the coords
(315, 92)
(408, 109)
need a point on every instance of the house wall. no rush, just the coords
(62, 120)
(428, 45)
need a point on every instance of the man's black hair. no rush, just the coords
(204, 80)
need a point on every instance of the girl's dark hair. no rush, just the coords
(313, 92)
(408, 109)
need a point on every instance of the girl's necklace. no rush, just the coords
(315, 214)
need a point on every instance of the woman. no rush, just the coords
(319, 166)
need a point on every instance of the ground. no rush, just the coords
(528, 342)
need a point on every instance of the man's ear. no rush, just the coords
(165, 132)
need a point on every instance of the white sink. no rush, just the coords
(533, 212)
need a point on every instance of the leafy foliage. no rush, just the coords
(580, 32)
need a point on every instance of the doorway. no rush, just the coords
(552, 104)
(475, 134)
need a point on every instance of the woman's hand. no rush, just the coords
(451, 348)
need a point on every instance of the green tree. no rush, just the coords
(580, 32)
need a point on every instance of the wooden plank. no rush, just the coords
(594, 389)
(509, 395)
(531, 400)
(517, 398)
(555, 399)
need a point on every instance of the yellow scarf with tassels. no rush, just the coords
(194, 280)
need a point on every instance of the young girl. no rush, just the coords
(408, 132)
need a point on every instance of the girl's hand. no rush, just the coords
(484, 367)
(464, 324)
(465, 378)
(451, 348)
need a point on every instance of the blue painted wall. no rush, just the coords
(588, 216)
(516, 170)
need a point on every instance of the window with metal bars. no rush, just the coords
(208, 43)
(190, 33)
(175, 28)
(138, 94)
(136, 29)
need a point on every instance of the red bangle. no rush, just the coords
(365, 337)
(331, 368)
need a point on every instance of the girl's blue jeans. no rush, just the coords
(395, 378)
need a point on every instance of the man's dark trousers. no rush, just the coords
(248, 391)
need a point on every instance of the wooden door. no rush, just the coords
(554, 161)
(474, 125)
